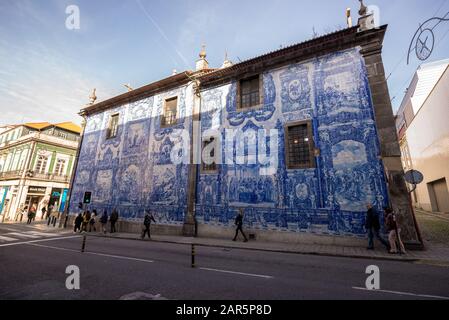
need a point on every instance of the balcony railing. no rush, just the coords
(11, 175)
(50, 177)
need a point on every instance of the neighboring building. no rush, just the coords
(36, 162)
(321, 98)
(422, 124)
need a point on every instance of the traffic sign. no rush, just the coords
(414, 177)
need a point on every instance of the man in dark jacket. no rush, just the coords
(147, 224)
(239, 224)
(104, 221)
(372, 225)
(113, 219)
(78, 222)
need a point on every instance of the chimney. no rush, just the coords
(348, 17)
(202, 63)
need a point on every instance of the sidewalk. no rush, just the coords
(435, 255)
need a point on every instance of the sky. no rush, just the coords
(48, 71)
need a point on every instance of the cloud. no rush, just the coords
(38, 83)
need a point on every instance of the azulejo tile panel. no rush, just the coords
(135, 171)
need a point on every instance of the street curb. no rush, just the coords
(314, 253)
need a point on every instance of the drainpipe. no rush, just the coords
(65, 215)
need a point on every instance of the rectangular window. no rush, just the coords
(169, 116)
(113, 127)
(60, 167)
(41, 164)
(249, 90)
(209, 160)
(299, 146)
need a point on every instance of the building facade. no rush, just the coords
(194, 147)
(36, 163)
(424, 134)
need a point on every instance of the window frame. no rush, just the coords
(58, 162)
(203, 145)
(239, 93)
(164, 108)
(109, 130)
(43, 166)
(312, 147)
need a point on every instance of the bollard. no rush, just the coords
(84, 244)
(193, 256)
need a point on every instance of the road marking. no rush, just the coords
(119, 257)
(92, 253)
(36, 241)
(239, 273)
(7, 239)
(22, 235)
(404, 293)
(41, 234)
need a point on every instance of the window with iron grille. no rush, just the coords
(113, 127)
(210, 158)
(299, 146)
(169, 116)
(249, 92)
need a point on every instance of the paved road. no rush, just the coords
(34, 268)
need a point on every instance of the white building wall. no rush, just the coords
(428, 140)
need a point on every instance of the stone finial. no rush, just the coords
(363, 9)
(226, 63)
(202, 63)
(203, 53)
(93, 96)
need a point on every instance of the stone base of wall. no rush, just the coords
(217, 232)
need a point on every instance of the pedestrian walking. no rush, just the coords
(78, 222)
(29, 215)
(113, 219)
(147, 224)
(104, 221)
(49, 214)
(43, 210)
(239, 224)
(86, 219)
(92, 221)
(394, 232)
(372, 226)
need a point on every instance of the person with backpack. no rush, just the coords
(104, 221)
(394, 233)
(147, 224)
(372, 226)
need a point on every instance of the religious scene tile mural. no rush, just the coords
(135, 170)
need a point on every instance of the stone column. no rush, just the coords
(189, 227)
(389, 143)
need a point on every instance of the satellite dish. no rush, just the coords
(414, 177)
